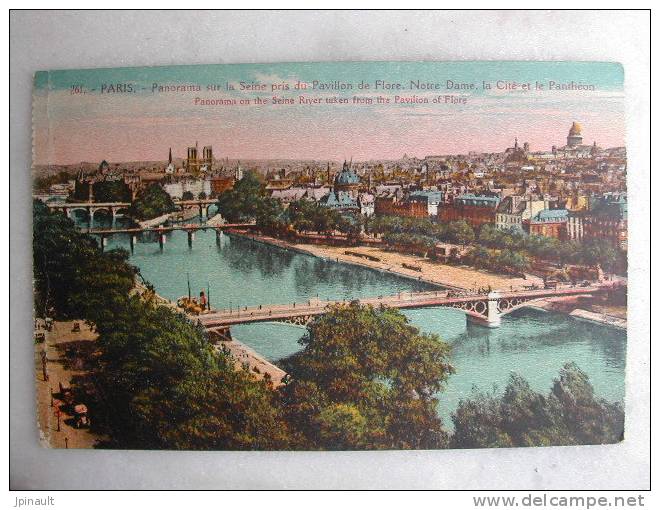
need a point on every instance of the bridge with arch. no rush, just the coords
(91, 208)
(483, 309)
(119, 209)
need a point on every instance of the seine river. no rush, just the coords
(241, 272)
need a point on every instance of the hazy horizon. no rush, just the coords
(143, 125)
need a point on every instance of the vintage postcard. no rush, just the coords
(330, 256)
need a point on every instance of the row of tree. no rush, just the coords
(102, 191)
(158, 383)
(458, 232)
(514, 249)
(507, 261)
(569, 414)
(364, 378)
(590, 252)
(249, 201)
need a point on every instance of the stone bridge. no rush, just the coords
(113, 208)
(119, 209)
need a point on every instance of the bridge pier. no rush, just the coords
(162, 240)
(493, 318)
(133, 242)
(222, 334)
(191, 238)
(114, 210)
(104, 242)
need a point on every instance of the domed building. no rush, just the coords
(347, 180)
(574, 137)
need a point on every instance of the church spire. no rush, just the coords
(170, 158)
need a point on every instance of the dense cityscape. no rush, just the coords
(573, 192)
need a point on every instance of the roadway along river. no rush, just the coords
(243, 273)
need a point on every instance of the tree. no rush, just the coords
(270, 216)
(187, 195)
(158, 382)
(71, 273)
(302, 214)
(511, 261)
(569, 252)
(161, 385)
(478, 257)
(343, 426)
(202, 195)
(80, 191)
(351, 226)
(366, 378)
(111, 191)
(543, 247)
(242, 202)
(488, 235)
(307, 215)
(599, 251)
(325, 220)
(44, 182)
(460, 232)
(152, 202)
(569, 415)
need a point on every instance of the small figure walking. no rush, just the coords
(58, 414)
(43, 365)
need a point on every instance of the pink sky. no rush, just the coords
(138, 128)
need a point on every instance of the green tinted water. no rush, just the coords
(241, 272)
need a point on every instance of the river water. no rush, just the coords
(241, 272)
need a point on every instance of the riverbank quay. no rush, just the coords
(64, 354)
(147, 294)
(215, 221)
(155, 222)
(585, 308)
(460, 278)
(599, 318)
(243, 356)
